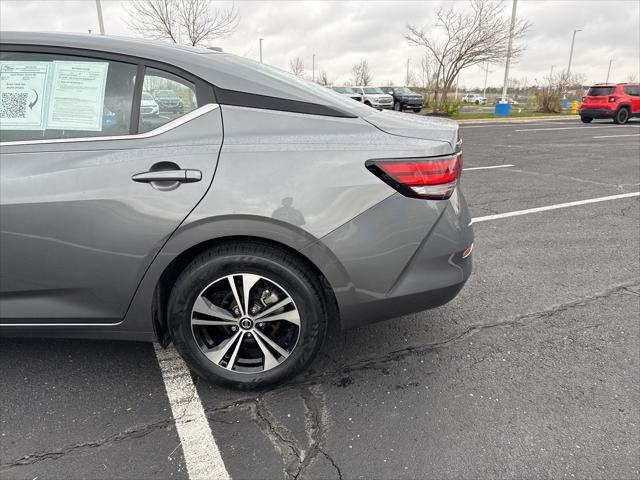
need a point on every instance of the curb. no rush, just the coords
(520, 119)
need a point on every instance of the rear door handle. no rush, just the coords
(182, 176)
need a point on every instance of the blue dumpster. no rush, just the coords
(564, 103)
(503, 109)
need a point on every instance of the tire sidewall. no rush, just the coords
(190, 285)
(624, 113)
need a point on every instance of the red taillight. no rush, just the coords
(612, 99)
(429, 178)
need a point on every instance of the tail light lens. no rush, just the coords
(428, 178)
(612, 99)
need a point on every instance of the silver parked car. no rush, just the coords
(238, 229)
(347, 91)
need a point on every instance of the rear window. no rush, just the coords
(600, 91)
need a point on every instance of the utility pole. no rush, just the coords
(261, 49)
(486, 74)
(313, 67)
(609, 70)
(407, 77)
(100, 21)
(509, 49)
(573, 41)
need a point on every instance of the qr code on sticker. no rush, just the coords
(13, 105)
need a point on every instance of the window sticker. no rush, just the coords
(77, 95)
(22, 95)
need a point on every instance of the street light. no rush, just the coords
(313, 67)
(504, 110)
(609, 70)
(100, 21)
(261, 49)
(573, 40)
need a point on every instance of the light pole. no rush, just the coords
(100, 21)
(486, 74)
(261, 49)
(509, 49)
(313, 67)
(609, 70)
(407, 77)
(573, 41)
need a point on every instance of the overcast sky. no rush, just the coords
(341, 33)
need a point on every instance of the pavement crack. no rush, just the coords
(316, 426)
(279, 435)
(131, 433)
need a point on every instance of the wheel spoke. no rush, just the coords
(211, 323)
(271, 343)
(269, 360)
(204, 306)
(248, 281)
(217, 353)
(234, 355)
(232, 284)
(291, 316)
(275, 307)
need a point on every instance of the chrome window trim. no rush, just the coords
(198, 112)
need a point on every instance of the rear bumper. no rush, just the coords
(597, 113)
(402, 256)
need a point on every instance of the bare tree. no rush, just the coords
(193, 22)
(361, 73)
(472, 38)
(297, 66)
(323, 79)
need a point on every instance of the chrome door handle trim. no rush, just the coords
(182, 176)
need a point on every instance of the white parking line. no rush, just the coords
(584, 127)
(488, 168)
(553, 207)
(615, 136)
(201, 453)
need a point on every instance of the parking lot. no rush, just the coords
(532, 371)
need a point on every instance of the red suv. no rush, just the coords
(606, 100)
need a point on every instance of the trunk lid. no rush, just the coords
(415, 126)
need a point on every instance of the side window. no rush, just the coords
(51, 96)
(164, 97)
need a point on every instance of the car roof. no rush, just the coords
(224, 70)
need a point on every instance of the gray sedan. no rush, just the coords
(239, 227)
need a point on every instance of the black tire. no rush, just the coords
(368, 103)
(417, 110)
(260, 259)
(622, 116)
(477, 102)
(397, 107)
(586, 119)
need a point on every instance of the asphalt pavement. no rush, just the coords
(533, 371)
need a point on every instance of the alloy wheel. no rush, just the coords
(245, 323)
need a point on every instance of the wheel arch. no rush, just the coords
(152, 297)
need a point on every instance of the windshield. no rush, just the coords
(325, 96)
(600, 91)
(343, 89)
(146, 96)
(403, 90)
(166, 93)
(372, 90)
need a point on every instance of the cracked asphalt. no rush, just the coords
(531, 372)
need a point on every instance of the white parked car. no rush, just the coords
(348, 91)
(148, 105)
(374, 97)
(474, 98)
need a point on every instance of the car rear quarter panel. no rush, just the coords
(291, 178)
